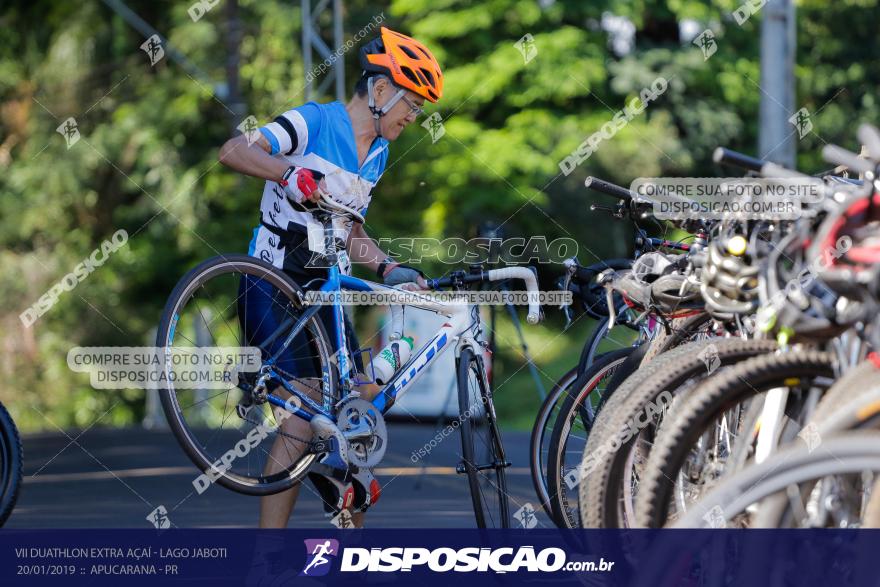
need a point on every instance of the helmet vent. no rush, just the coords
(427, 75)
(410, 75)
(409, 52)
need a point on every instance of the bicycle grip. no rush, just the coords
(737, 159)
(870, 137)
(528, 276)
(606, 187)
(840, 156)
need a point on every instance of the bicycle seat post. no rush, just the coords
(330, 244)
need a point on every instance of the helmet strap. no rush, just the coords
(380, 112)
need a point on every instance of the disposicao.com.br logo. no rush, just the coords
(445, 559)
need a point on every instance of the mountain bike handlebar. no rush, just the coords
(606, 187)
(737, 159)
(460, 278)
(840, 156)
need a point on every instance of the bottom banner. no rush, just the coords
(426, 557)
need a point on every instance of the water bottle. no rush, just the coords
(391, 358)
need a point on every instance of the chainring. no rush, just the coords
(368, 448)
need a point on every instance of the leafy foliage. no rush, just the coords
(147, 158)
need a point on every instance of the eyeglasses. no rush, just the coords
(414, 109)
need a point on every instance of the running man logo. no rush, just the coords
(70, 131)
(710, 358)
(526, 516)
(250, 129)
(801, 121)
(706, 43)
(159, 518)
(434, 125)
(154, 49)
(318, 551)
(527, 48)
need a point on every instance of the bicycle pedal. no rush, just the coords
(324, 428)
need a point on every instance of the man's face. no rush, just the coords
(401, 114)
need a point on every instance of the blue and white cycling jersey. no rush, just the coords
(320, 137)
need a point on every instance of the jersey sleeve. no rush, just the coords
(291, 132)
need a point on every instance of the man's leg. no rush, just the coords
(275, 509)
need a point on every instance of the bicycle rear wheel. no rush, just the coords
(482, 453)
(232, 434)
(10, 464)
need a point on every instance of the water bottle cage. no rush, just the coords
(369, 363)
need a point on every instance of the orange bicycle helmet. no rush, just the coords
(408, 63)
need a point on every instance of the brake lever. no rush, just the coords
(606, 279)
(617, 212)
(571, 266)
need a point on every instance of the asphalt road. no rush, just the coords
(112, 478)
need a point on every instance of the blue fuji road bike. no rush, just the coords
(305, 409)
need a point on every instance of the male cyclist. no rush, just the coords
(339, 151)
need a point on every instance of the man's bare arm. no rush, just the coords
(253, 159)
(363, 250)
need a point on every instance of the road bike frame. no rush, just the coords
(460, 327)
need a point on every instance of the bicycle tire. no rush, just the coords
(11, 459)
(636, 373)
(846, 454)
(570, 410)
(246, 484)
(490, 475)
(539, 437)
(855, 381)
(703, 406)
(600, 495)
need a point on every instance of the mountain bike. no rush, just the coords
(586, 283)
(340, 433)
(726, 449)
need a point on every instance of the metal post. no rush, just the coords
(307, 43)
(339, 65)
(233, 46)
(777, 137)
(313, 42)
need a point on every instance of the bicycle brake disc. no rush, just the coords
(363, 427)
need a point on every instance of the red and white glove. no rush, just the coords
(301, 184)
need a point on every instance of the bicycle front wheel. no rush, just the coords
(542, 432)
(482, 455)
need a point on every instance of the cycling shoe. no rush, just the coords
(334, 486)
(366, 489)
